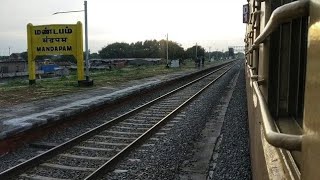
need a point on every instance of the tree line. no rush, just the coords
(150, 49)
(156, 49)
(146, 49)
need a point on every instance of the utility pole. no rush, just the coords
(167, 51)
(196, 50)
(9, 50)
(209, 53)
(86, 39)
(87, 82)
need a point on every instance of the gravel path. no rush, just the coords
(175, 148)
(232, 156)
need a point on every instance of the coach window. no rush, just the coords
(287, 69)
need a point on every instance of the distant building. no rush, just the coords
(175, 63)
(143, 61)
(231, 52)
(119, 63)
(15, 63)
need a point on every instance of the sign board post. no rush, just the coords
(57, 39)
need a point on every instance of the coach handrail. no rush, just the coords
(280, 15)
(251, 76)
(283, 14)
(252, 48)
(273, 137)
(254, 15)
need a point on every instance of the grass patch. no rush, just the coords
(18, 91)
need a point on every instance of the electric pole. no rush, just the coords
(167, 52)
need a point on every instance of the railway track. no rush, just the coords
(92, 154)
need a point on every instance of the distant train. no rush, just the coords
(283, 88)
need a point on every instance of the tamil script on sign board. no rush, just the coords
(54, 39)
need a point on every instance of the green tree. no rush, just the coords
(137, 49)
(191, 52)
(146, 49)
(151, 49)
(175, 50)
(216, 54)
(115, 50)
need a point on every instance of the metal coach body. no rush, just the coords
(283, 84)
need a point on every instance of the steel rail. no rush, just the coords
(109, 165)
(64, 146)
(273, 137)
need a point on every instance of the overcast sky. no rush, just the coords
(210, 23)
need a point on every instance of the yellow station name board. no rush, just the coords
(57, 39)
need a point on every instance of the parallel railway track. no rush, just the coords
(92, 154)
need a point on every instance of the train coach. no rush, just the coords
(283, 86)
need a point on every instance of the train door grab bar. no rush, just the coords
(253, 77)
(283, 14)
(280, 15)
(273, 137)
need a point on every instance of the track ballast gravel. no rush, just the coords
(174, 149)
(233, 160)
(170, 149)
